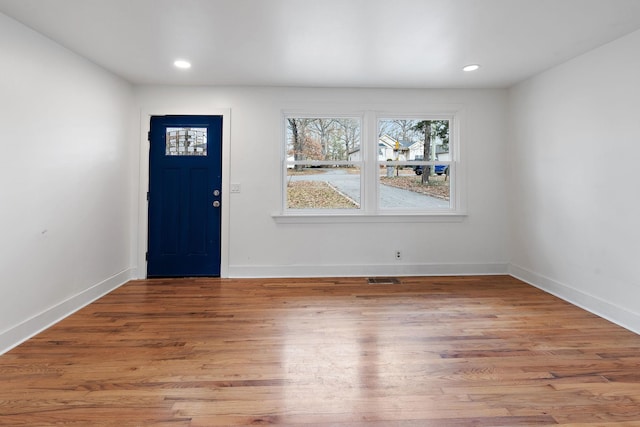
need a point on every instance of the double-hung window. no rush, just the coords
(371, 164)
(322, 169)
(414, 163)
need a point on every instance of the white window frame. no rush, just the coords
(454, 201)
(369, 210)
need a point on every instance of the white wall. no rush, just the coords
(574, 207)
(66, 182)
(259, 246)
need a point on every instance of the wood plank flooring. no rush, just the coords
(429, 351)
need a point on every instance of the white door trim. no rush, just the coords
(143, 206)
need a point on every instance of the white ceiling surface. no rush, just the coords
(329, 43)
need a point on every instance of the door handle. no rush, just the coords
(216, 204)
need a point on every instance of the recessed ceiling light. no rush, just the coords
(182, 64)
(471, 67)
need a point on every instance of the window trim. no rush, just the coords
(369, 210)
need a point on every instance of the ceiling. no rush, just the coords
(329, 43)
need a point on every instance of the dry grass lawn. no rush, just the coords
(316, 195)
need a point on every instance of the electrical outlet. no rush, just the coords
(235, 187)
(398, 255)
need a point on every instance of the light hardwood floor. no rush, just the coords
(429, 351)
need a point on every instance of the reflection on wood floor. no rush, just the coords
(427, 351)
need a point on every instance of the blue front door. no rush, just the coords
(185, 177)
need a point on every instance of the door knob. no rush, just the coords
(216, 204)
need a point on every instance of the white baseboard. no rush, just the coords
(619, 315)
(395, 269)
(38, 323)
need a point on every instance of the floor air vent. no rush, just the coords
(383, 281)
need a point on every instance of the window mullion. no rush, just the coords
(370, 173)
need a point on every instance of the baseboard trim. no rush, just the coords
(286, 271)
(20, 333)
(593, 304)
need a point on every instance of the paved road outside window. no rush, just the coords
(390, 197)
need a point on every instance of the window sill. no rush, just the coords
(329, 218)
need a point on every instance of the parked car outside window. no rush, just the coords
(438, 169)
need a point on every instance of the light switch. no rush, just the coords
(235, 187)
